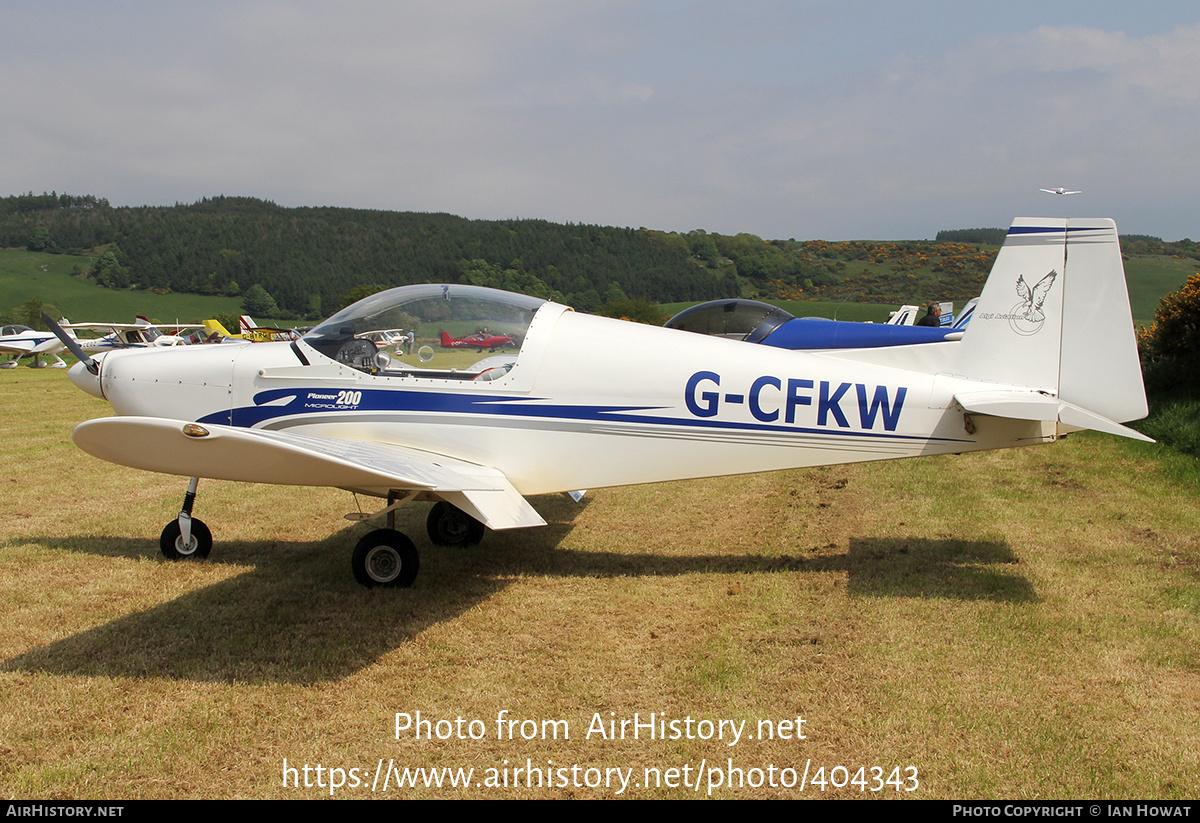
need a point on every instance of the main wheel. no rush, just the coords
(173, 548)
(451, 526)
(385, 557)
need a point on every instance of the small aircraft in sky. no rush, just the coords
(1060, 190)
(22, 341)
(589, 402)
(479, 341)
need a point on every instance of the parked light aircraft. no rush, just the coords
(264, 334)
(589, 401)
(479, 341)
(385, 337)
(1060, 190)
(906, 315)
(22, 341)
(213, 332)
(754, 322)
(140, 334)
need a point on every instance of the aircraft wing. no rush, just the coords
(260, 456)
(177, 328)
(115, 327)
(109, 327)
(16, 346)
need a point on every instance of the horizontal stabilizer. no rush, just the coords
(258, 456)
(1022, 405)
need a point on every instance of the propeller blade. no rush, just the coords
(71, 344)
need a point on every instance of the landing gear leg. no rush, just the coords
(186, 537)
(385, 557)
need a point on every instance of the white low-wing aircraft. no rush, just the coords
(1060, 190)
(22, 341)
(589, 402)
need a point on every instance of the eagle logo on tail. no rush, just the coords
(1026, 316)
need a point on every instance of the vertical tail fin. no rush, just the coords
(1054, 316)
(1015, 333)
(215, 325)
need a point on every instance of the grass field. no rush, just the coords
(1018, 624)
(1150, 278)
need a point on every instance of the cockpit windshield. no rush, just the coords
(747, 320)
(428, 330)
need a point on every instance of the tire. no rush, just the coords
(449, 525)
(385, 558)
(171, 544)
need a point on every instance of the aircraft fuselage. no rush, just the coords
(576, 410)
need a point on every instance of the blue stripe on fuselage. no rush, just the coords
(404, 400)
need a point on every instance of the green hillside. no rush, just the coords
(1150, 278)
(87, 259)
(52, 279)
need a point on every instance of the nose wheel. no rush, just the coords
(186, 538)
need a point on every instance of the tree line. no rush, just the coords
(303, 261)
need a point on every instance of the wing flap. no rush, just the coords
(258, 456)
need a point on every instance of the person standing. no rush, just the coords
(933, 316)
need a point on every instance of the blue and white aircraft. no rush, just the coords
(589, 401)
(22, 341)
(752, 321)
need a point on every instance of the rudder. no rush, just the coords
(1100, 369)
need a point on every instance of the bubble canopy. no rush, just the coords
(747, 320)
(431, 313)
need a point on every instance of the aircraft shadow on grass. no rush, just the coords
(946, 568)
(294, 617)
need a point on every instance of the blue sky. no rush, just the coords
(836, 120)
